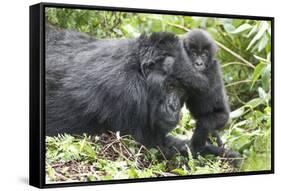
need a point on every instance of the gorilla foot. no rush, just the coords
(234, 158)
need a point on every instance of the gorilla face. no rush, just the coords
(168, 112)
(199, 58)
(200, 48)
(166, 102)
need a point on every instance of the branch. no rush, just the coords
(235, 55)
(238, 82)
(234, 63)
(221, 46)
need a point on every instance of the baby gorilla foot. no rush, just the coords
(234, 158)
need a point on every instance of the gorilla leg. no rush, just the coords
(205, 125)
(200, 135)
(220, 119)
(217, 137)
(201, 145)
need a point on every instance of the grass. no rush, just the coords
(111, 156)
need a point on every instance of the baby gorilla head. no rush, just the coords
(200, 47)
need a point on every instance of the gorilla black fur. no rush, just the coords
(94, 85)
(208, 103)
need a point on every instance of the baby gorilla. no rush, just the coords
(207, 104)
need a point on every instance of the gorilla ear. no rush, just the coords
(147, 67)
(185, 44)
(188, 44)
(214, 48)
(167, 65)
(164, 66)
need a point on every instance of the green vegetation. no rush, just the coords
(245, 47)
(110, 156)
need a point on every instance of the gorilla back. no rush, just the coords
(99, 85)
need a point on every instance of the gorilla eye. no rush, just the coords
(180, 92)
(170, 87)
(205, 53)
(193, 53)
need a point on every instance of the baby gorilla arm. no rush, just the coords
(189, 77)
(193, 80)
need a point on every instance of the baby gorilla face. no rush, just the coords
(200, 48)
(199, 58)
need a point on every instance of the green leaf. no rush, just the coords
(179, 171)
(266, 75)
(239, 124)
(252, 31)
(262, 43)
(262, 94)
(237, 113)
(254, 102)
(258, 71)
(241, 28)
(133, 173)
(91, 178)
(267, 60)
(107, 177)
(262, 29)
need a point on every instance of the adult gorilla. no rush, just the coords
(122, 85)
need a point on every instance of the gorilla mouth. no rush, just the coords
(199, 67)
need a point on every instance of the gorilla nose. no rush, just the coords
(174, 107)
(199, 63)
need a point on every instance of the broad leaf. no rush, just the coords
(241, 28)
(257, 73)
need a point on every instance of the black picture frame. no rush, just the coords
(37, 94)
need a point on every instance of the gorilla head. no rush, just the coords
(166, 100)
(200, 47)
